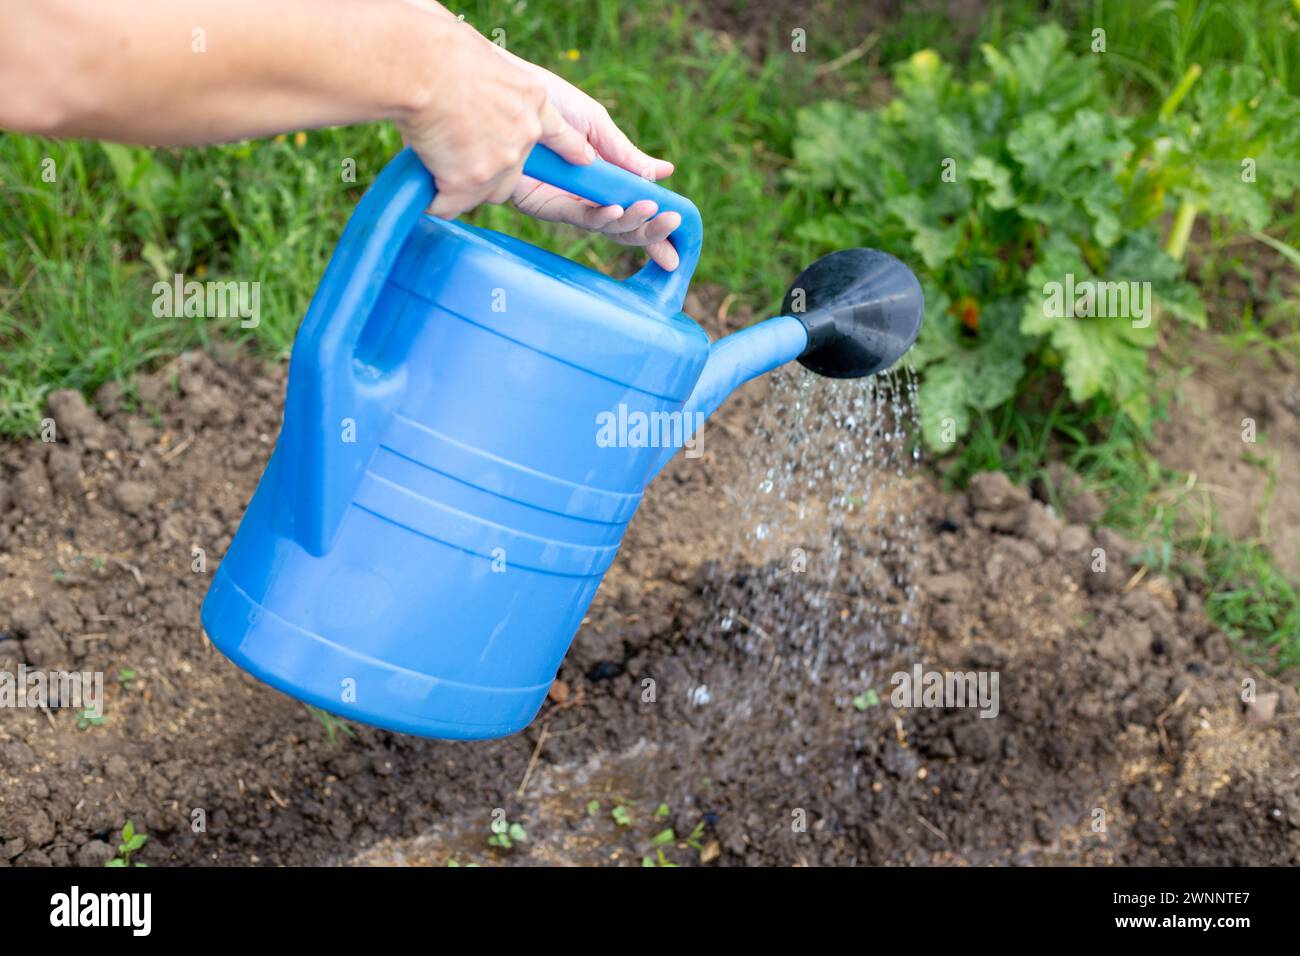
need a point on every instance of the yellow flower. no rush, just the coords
(572, 55)
(925, 60)
(300, 138)
(201, 269)
(279, 137)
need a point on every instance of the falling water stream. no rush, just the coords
(826, 537)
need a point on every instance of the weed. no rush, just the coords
(331, 723)
(657, 860)
(131, 842)
(868, 698)
(506, 834)
(694, 838)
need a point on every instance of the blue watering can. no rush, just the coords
(464, 443)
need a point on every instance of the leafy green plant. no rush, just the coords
(1226, 143)
(658, 859)
(695, 838)
(86, 719)
(506, 834)
(868, 698)
(1008, 192)
(131, 842)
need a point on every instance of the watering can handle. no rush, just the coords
(608, 185)
(335, 406)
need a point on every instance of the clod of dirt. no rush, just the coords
(34, 826)
(1035, 523)
(993, 491)
(134, 496)
(32, 488)
(75, 420)
(28, 616)
(1260, 711)
(951, 587)
(1126, 644)
(95, 853)
(1074, 539)
(45, 649)
(64, 466)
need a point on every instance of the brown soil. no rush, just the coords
(1234, 425)
(765, 26)
(1119, 702)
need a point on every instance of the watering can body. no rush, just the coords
(470, 424)
(444, 497)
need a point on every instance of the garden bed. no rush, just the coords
(1119, 702)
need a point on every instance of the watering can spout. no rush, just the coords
(851, 313)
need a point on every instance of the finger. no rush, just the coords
(563, 138)
(633, 219)
(543, 201)
(661, 227)
(613, 145)
(503, 185)
(655, 230)
(550, 204)
(450, 204)
(664, 255)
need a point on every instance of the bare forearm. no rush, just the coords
(182, 72)
(191, 72)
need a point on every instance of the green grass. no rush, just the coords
(1151, 45)
(1252, 601)
(78, 256)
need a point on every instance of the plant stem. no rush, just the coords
(1171, 103)
(1182, 230)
